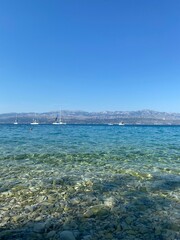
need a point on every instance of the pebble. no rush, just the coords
(30, 208)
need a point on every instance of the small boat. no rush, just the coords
(121, 124)
(34, 122)
(110, 124)
(16, 121)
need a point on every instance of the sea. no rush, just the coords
(89, 182)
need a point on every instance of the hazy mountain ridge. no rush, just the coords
(129, 117)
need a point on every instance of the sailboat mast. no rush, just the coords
(60, 115)
(16, 120)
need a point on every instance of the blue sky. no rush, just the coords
(92, 55)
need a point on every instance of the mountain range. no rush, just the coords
(104, 117)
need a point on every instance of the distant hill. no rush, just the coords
(104, 117)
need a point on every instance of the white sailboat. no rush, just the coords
(58, 121)
(121, 124)
(16, 121)
(34, 122)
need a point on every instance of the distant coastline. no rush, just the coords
(141, 117)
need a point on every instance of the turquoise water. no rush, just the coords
(100, 182)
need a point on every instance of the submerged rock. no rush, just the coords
(39, 227)
(97, 210)
(109, 202)
(51, 234)
(66, 235)
(87, 237)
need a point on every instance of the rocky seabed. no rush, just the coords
(82, 202)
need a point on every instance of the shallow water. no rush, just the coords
(100, 182)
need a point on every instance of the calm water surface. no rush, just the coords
(132, 171)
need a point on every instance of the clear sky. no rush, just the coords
(92, 55)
